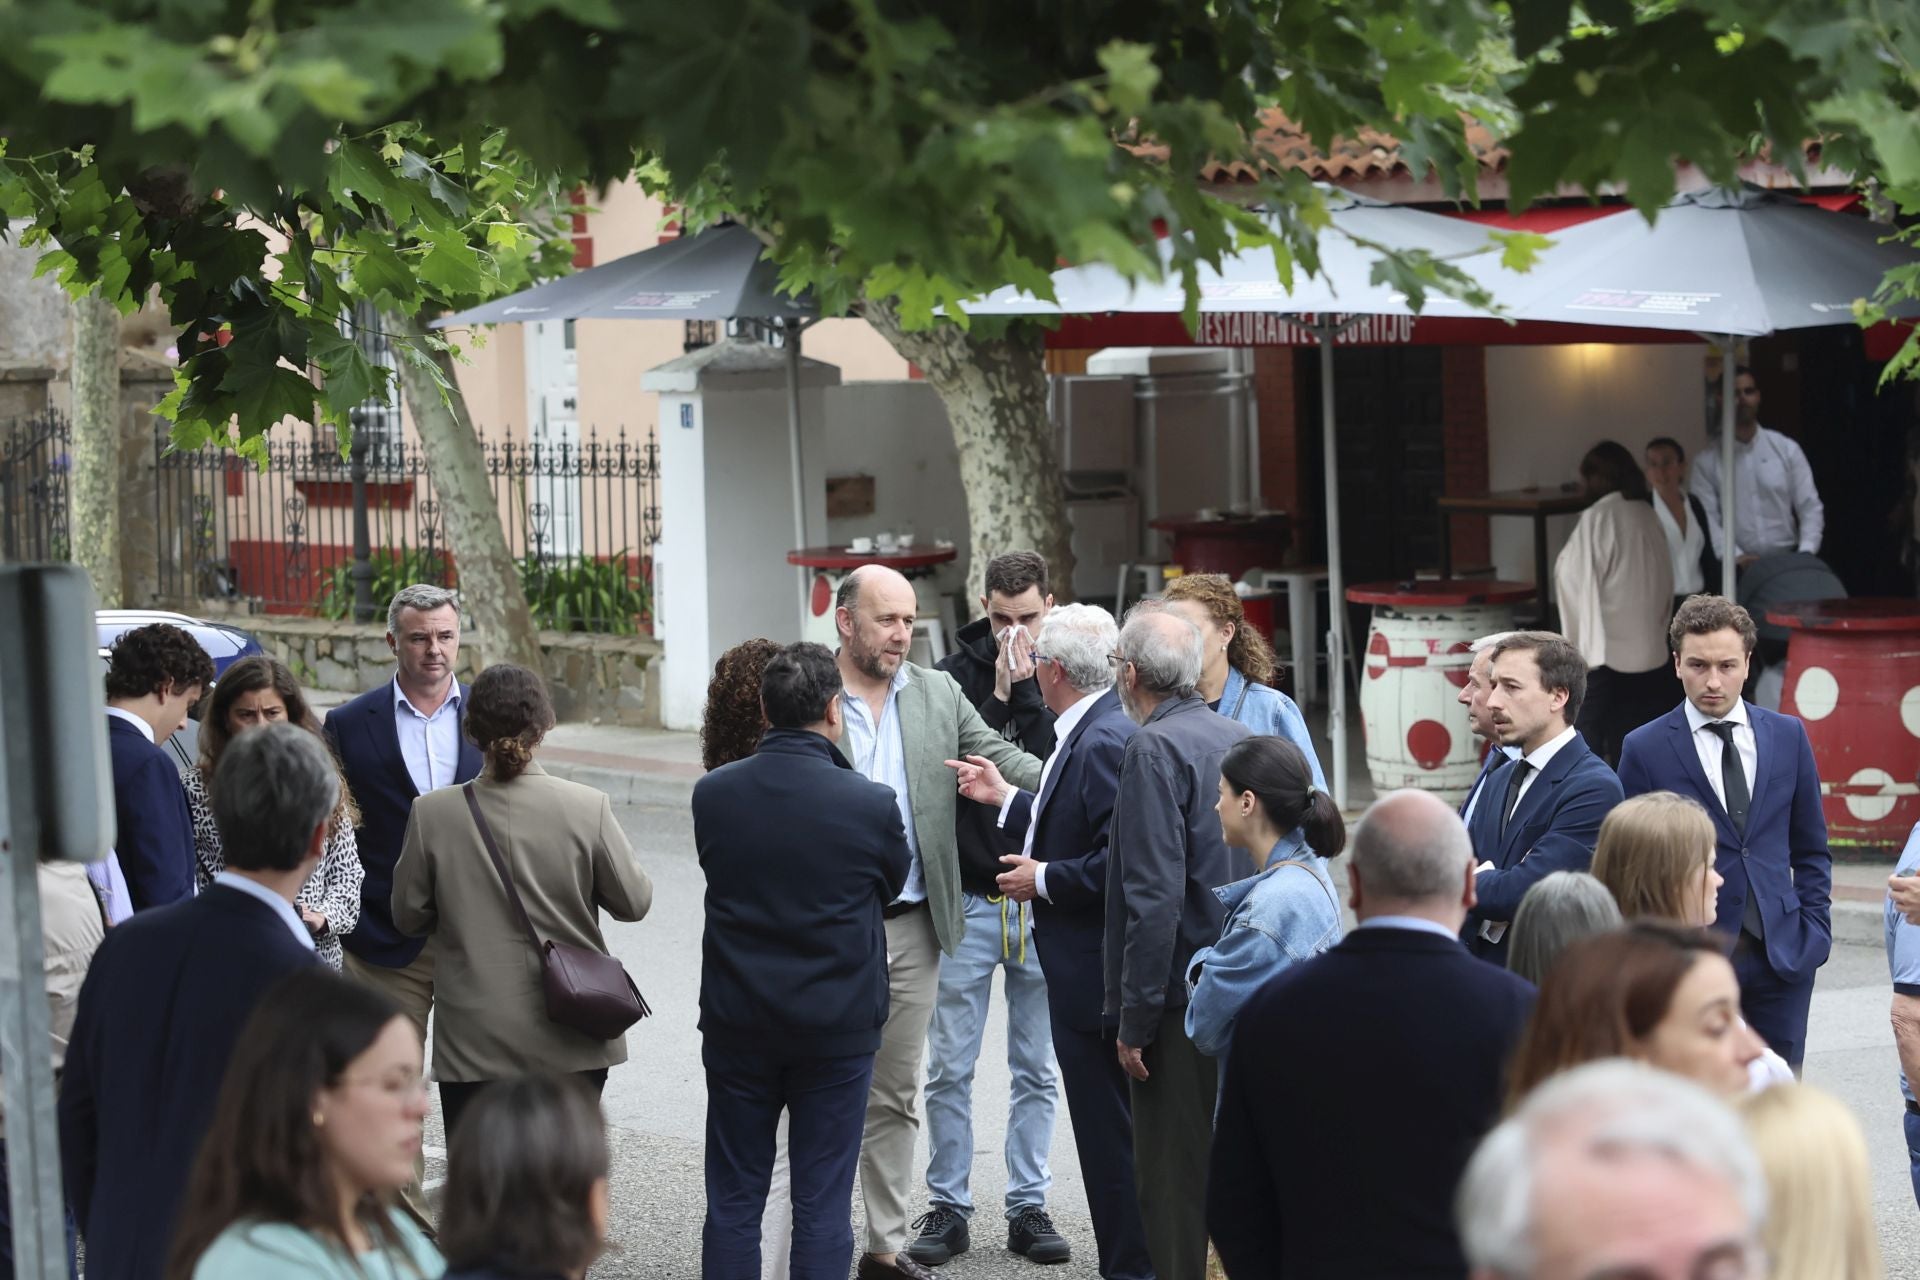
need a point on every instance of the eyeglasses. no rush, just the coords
(1115, 660)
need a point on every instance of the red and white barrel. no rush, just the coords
(1853, 678)
(1418, 651)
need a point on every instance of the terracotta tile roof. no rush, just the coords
(1369, 154)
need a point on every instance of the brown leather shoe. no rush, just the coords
(871, 1268)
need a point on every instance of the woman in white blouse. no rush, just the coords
(1682, 519)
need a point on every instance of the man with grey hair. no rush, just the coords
(1618, 1169)
(168, 993)
(397, 742)
(1473, 696)
(1062, 870)
(1168, 857)
(1378, 1064)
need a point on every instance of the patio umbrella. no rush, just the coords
(1725, 262)
(1326, 304)
(720, 273)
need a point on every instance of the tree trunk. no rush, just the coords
(995, 393)
(489, 578)
(94, 492)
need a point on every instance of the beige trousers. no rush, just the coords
(893, 1102)
(410, 987)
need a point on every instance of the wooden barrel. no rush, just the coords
(1417, 655)
(1853, 678)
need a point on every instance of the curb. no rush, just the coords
(622, 786)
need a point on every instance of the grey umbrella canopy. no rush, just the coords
(720, 273)
(1727, 262)
(1328, 304)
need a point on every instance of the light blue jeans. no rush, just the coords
(992, 941)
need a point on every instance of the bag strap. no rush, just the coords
(1295, 862)
(500, 865)
(1241, 700)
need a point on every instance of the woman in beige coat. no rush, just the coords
(568, 858)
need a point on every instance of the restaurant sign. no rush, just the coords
(1264, 329)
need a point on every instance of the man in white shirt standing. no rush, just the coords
(1778, 507)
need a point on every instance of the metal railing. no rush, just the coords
(35, 458)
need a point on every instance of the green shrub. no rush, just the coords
(392, 570)
(584, 595)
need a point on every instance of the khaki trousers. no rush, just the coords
(893, 1114)
(410, 987)
(1172, 1138)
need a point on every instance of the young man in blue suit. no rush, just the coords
(1752, 769)
(1062, 870)
(154, 676)
(168, 994)
(1540, 813)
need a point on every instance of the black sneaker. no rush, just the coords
(942, 1238)
(1031, 1233)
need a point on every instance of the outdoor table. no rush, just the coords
(830, 567)
(1227, 543)
(1853, 678)
(1417, 655)
(1534, 504)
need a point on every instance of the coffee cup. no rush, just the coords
(862, 545)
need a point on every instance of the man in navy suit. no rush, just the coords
(1540, 813)
(1377, 1065)
(1062, 870)
(167, 996)
(1473, 696)
(793, 974)
(154, 676)
(1753, 771)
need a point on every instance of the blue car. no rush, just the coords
(225, 644)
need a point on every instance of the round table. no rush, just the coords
(830, 567)
(1227, 543)
(1418, 652)
(1853, 678)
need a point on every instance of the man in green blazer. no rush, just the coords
(903, 724)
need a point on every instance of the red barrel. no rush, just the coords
(1853, 678)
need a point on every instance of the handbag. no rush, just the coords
(585, 990)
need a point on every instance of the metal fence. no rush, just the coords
(580, 521)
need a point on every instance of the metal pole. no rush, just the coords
(26, 1040)
(362, 570)
(1727, 504)
(1336, 582)
(793, 330)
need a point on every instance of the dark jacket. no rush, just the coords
(491, 1272)
(1357, 1087)
(1554, 828)
(1782, 857)
(160, 1011)
(1709, 562)
(1075, 819)
(366, 740)
(1022, 720)
(1167, 859)
(154, 832)
(801, 853)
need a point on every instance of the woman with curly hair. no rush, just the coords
(733, 723)
(255, 691)
(568, 858)
(1237, 677)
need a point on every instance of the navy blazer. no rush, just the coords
(1070, 922)
(1370, 1072)
(366, 740)
(802, 854)
(154, 831)
(161, 1008)
(1782, 857)
(1554, 829)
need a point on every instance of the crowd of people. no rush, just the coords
(1582, 994)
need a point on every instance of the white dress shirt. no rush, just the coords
(1683, 547)
(429, 744)
(1539, 758)
(1778, 508)
(1473, 801)
(1063, 727)
(1614, 581)
(1419, 924)
(1745, 745)
(254, 889)
(121, 713)
(878, 752)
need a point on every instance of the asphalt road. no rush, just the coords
(656, 1103)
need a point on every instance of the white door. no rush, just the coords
(553, 431)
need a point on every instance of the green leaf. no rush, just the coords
(1132, 76)
(263, 395)
(348, 378)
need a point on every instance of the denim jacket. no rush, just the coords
(1277, 918)
(1265, 709)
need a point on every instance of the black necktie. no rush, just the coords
(1515, 780)
(1733, 778)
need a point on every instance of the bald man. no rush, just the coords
(903, 722)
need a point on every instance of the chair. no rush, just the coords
(1153, 576)
(1303, 586)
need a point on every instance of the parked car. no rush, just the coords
(225, 644)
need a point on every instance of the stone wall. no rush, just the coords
(594, 679)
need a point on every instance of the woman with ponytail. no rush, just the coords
(1270, 806)
(567, 859)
